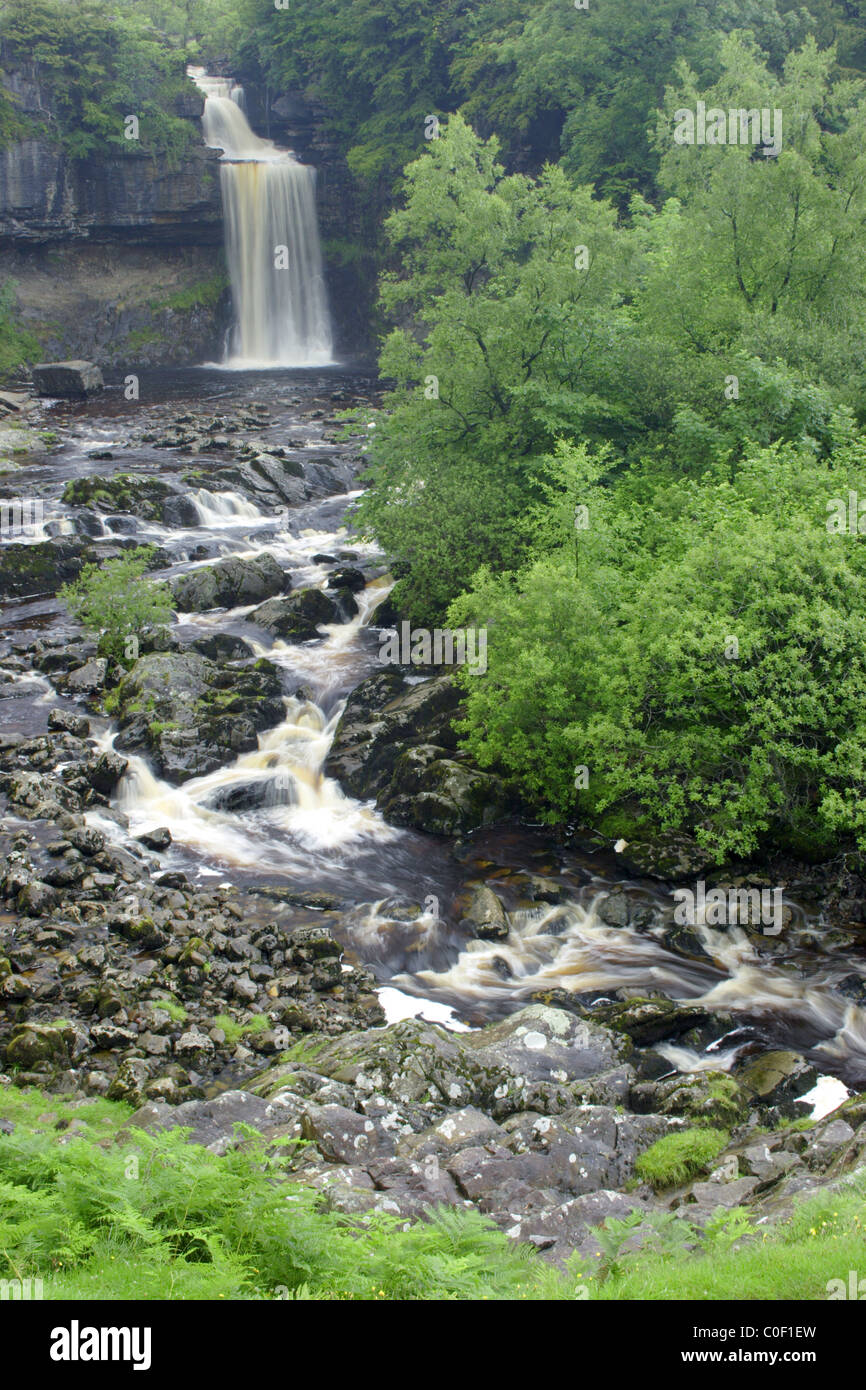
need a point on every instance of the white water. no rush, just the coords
(300, 810)
(269, 203)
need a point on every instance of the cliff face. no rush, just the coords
(116, 257)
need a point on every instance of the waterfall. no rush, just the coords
(269, 203)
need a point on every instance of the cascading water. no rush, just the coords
(272, 240)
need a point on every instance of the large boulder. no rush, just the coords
(395, 742)
(191, 716)
(230, 584)
(299, 617)
(133, 494)
(30, 571)
(76, 378)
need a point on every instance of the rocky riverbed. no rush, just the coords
(251, 877)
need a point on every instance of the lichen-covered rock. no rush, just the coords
(648, 1021)
(704, 1097)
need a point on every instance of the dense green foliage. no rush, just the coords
(98, 62)
(678, 1157)
(550, 80)
(110, 600)
(107, 1212)
(688, 377)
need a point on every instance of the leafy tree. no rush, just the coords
(706, 664)
(111, 602)
(100, 63)
(510, 331)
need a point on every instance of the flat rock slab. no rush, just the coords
(76, 378)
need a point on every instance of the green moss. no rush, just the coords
(175, 1011)
(205, 294)
(678, 1157)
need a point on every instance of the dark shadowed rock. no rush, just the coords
(298, 617)
(76, 378)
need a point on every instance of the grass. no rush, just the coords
(175, 1011)
(99, 1210)
(680, 1156)
(234, 1031)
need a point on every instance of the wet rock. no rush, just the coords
(622, 910)
(158, 839)
(37, 899)
(104, 772)
(222, 646)
(777, 1079)
(298, 617)
(648, 1021)
(191, 716)
(232, 583)
(396, 743)
(483, 913)
(65, 720)
(347, 578)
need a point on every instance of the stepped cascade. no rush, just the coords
(272, 240)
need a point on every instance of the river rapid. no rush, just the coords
(394, 889)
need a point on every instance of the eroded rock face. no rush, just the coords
(395, 742)
(191, 716)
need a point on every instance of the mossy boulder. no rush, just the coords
(230, 584)
(704, 1098)
(299, 617)
(135, 495)
(190, 716)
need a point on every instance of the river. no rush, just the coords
(395, 888)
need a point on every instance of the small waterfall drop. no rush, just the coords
(272, 240)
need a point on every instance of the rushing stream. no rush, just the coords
(273, 817)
